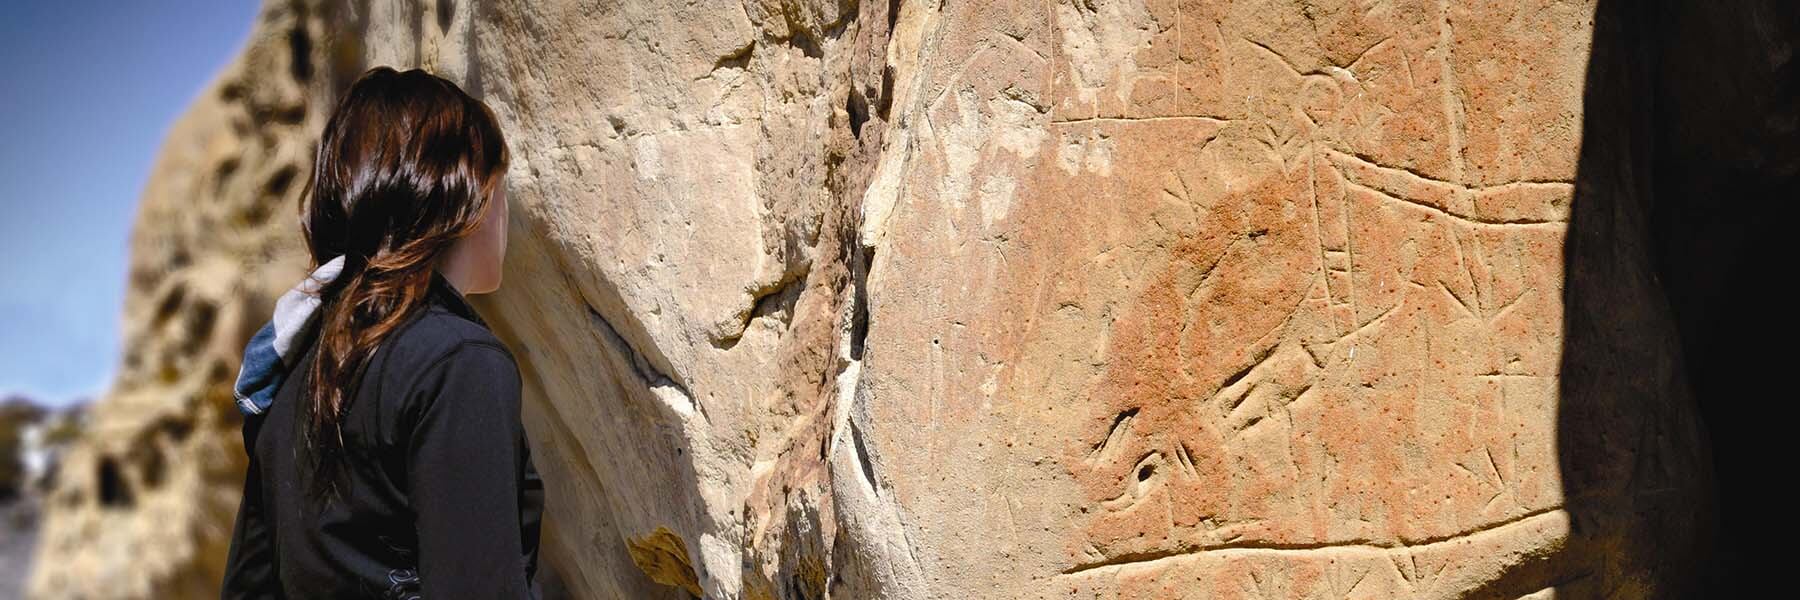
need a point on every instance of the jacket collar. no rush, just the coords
(444, 294)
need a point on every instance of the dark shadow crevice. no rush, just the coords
(1687, 166)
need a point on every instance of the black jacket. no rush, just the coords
(443, 500)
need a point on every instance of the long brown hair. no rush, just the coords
(405, 167)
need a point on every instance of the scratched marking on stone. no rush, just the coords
(1326, 298)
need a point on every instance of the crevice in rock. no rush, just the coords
(222, 174)
(862, 457)
(300, 47)
(886, 101)
(775, 300)
(198, 322)
(808, 46)
(278, 182)
(171, 303)
(652, 377)
(475, 77)
(175, 428)
(738, 59)
(446, 12)
(152, 466)
(859, 315)
(114, 492)
(858, 109)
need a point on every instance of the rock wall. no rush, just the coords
(1084, 298)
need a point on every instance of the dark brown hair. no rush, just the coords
(405, 167)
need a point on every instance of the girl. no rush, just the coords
(393, 464)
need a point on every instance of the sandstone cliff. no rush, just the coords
(1084, 298)
(143, 505)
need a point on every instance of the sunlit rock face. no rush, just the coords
(1096, 299)
(1263, 299)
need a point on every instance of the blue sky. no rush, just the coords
(87, 92)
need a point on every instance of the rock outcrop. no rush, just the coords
(143, 505)
(1083, 298)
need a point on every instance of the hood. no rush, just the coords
(279, 343)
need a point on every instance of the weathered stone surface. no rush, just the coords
(1097, 299)
(1251, 299)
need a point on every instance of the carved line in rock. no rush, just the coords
(1452, 106)
(1453, 101)
(1326, 72)
(1408, 180)
(1360, 172)
(1204, 118)
(1365, 161)
(1531, 520)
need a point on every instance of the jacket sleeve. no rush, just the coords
(464, 471)
(250, 570)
